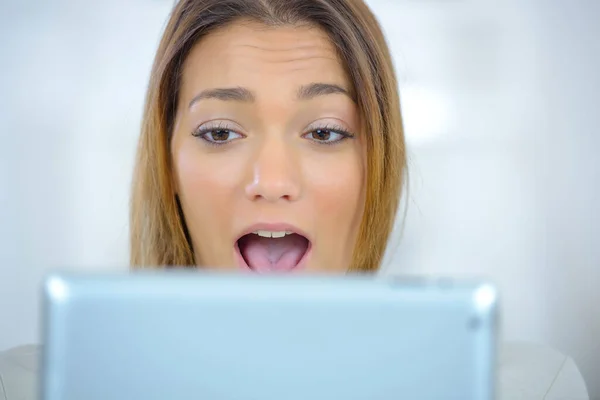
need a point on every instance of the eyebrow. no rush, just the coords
(306, 92)
(225, 94)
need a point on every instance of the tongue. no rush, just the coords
(273, 254)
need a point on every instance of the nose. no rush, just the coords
(275, 173)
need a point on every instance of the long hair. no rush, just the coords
(158, 233)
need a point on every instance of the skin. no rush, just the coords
(270, 164)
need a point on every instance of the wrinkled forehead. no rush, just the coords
(266, 59)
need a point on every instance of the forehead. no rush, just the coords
(263, 59)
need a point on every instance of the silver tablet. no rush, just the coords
(196, 335)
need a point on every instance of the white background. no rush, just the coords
(501, 111)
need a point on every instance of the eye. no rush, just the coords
(327, 135)
(216, 135)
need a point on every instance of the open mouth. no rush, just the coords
(266, 251)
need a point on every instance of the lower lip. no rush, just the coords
(265, 270)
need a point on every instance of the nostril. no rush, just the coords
(272, 191)
(274, 179)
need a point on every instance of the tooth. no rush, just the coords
(271, 234)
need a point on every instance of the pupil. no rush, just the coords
(321, 134)
(220, 135)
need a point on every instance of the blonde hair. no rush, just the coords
(158, 234)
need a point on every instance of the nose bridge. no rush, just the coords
(275, 170)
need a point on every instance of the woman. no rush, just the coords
(272, 142)
(272, 139)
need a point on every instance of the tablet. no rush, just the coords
(198, 335)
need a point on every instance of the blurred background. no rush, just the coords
(501, 107)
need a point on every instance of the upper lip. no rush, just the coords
(273, 227)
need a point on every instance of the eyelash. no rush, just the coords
(332, 128)
(200, 132)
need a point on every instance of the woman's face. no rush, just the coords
(268, 157)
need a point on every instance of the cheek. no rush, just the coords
(207, 188)
(337, 187)
(204, 177)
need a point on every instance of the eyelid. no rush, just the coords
(216, 125)
(233, 127)
(330, 127)
(331, 123)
